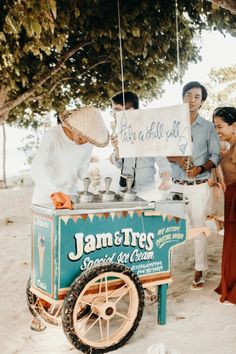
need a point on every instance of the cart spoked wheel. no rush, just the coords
(103, 308)
(39, 307)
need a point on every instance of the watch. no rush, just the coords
(202, 169)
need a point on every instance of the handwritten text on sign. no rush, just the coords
(154, 132)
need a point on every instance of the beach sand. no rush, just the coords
(196, 322)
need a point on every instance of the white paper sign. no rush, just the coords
(154, 132)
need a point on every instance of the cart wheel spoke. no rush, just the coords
(108, 330)
(112, 294)
(85, 318)
(100, 288)
(123, 316)
(100, 328)
(106, 289)
(91, 326)
(122, 295)
(85, 302)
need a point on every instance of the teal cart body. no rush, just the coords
(86, 262)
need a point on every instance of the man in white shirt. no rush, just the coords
(191, 178)
(65, 151)
(64, 156)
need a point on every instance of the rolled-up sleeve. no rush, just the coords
(163, 164)
(214, 147)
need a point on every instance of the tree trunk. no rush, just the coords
(3, 118)
(226, 4)
(3, 181)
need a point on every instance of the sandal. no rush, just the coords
(226, 303)
(151, 296)
(37, 326)
(198, 285)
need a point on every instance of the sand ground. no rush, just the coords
(196, 322)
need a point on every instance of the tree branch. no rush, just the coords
(14, 103)
(50, 89)
(226, 4)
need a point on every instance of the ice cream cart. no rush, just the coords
(91, 266)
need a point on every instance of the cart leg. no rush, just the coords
(162, 293)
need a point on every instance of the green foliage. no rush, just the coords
(221, 88)
(36, 34)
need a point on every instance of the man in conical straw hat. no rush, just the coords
(64, 156)
(65, 151)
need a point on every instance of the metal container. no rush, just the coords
(128, 194)
(107, 195)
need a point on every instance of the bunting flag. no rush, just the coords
(75, 218)
(65, 218)
(112, 215)
(106, 215)
(139, 213)
(99, 215)
(119, 214)
(163, 217)
(176, 219)
(125, 213)
(91, 216)
(169, 217)
(131, 213)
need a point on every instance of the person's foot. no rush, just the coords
(37, 326)
(221, 232)
(226, 303)
(151, 295)
(197, 275)
(198, 281)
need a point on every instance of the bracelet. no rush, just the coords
(202, 169)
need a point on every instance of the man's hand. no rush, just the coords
(196, 170)
(114, 143)
(165, 182)
(182, 161)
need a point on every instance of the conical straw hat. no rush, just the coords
(88, 123)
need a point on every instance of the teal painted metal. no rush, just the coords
(162, 295)
(56, 240)
(66, 245)
(43, 255)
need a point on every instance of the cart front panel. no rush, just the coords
(130, 237)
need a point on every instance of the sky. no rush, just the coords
(217, 51)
